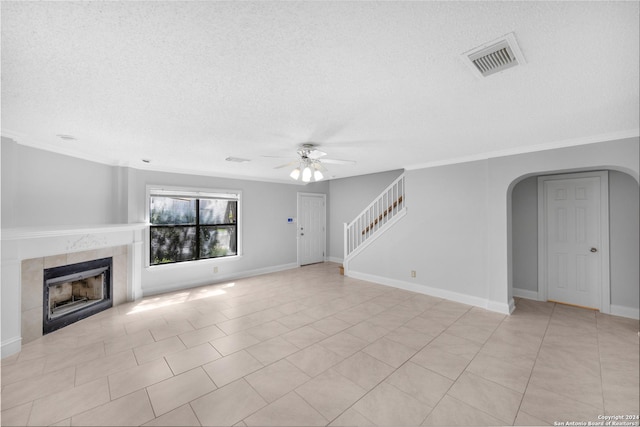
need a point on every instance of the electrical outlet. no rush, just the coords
(215, 269)
(413, 273)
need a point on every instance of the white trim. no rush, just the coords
(26, 243)
(370, 217)
(198, 194)
(10, 346)
(542, 243)
(615, 310)
(28, 141)
(605, 245)
(195, 192)
(324, 223)
(178, 286)
(605, 288)
(612, 136)
(186, 265)
(11, 272)
(630, 312)
(21, 233)
(379, 232)
(25, 140)
(335, 259)
(525, 293)
(134, 264)
(434, 292)
(500, 307)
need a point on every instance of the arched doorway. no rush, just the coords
(624, 292)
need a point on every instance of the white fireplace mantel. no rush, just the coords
(19, 244)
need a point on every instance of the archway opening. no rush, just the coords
(624, 240)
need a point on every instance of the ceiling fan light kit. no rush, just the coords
(306, 174)
(309, 166)
(307, 169)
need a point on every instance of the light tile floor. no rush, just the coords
(309, 347)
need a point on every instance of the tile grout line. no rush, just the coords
(333, 290)
(311, 378)
(194, 413)
(243, 378)
(604, 410)
(384, 379)
(146, 392)
(535, 362)
(464, 370)
(258, 393)
(395, 369)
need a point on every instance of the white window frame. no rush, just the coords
(196, 192)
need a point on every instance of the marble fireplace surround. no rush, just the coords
(26, 252)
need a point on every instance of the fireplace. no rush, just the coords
(75, 291)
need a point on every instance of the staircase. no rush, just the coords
(374, 220)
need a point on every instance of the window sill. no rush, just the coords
(198, 262)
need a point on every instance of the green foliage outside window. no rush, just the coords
(186, 229)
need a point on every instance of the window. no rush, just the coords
(188, 226)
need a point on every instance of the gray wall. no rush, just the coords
(268, 241)
(347, 198)
(40, 188)
(524, 203)
(457, 233)
(442, 237)
(623, 237)
(624, 229)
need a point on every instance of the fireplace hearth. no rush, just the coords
(74, 292)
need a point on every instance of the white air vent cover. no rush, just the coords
(495, 56)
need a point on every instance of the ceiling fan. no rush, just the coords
(309, 164)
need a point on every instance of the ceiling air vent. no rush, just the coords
(495, 56)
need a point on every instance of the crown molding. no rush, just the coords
(612, 136)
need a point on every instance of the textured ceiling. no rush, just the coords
(187, 84)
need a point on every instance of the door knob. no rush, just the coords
(593, 250)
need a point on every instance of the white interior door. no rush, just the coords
(574, 247)
(311, 228)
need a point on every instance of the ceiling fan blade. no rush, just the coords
(357, 143)
(320, 167)
(278, 157)
(295, 162)
(316, 154)
(338, 162)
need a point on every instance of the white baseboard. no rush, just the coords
(334, 259)
(221, 278)
(13, 345)
(630, 312)
(614, 310)
(375, 236)
(525, 293)
(434, 292)
(500, 307)
(10, 346)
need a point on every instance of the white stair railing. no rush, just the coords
(385, 210)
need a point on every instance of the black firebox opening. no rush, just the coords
(74, 292)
